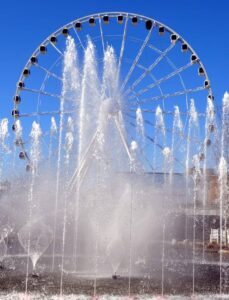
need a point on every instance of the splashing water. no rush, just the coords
(134, 153)
(225, 112)
(193, 129)
(159, 137)
(223, 188)
(18, 129)
(209, 123)
(110, 81)
(4, 134)
(113, 222)
(160, 124)
(53, 132)
(196, 177)
(177, 122)
(69, 94)
(70, 124)
(134, 146)
(3, 129)
(35, 136)
(71, 83)
(140, 130)
(69, 139)
(223, 171)
(176, 135)
(35, 149)
(53, 128)
(36, 237)
(90, 99)
(193, 113)
(166, 152)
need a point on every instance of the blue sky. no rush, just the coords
(24, 24)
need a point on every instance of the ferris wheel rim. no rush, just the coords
(128, 15)
(99, 16)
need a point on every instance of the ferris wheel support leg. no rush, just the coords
(76, 176)
(123, 139)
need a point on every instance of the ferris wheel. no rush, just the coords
(159, 76)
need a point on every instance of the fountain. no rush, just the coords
(160, 134)
(35, 237)
(140, 132)
(176, 135)
(53, 131)
(94, 220)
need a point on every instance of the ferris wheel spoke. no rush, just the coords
(141, 148)
(123, 44)
(174, 67)
(145, 121)
(123, 138)
(178, 93)
(48, 72)
(155, 49)
(171, 64)
(78, 37)
(57, 112)
(170, 131)
(180, 134)
(152, 111)
(162, 148)
(163, 79)
(101, 34)
(136, 59)
(150, 68)
(140, 66)
(141, 151)
(149, 45)
(165, 112)
(41, 92)
(57, 49)
(152, 140)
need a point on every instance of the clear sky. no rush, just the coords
(25, 24)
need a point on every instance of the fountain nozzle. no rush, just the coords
(35, 275)
(115, 276)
